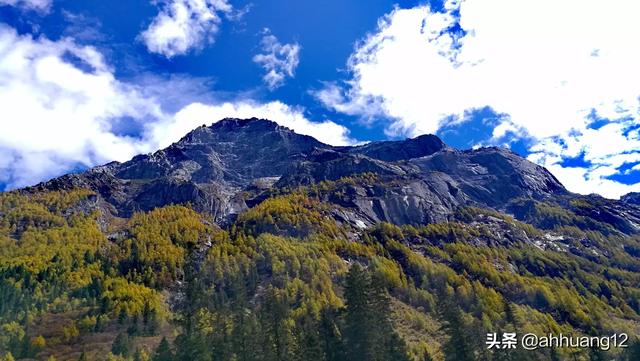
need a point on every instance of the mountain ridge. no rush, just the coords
(214, 167)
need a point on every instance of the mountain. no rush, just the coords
(221, 170)
(214, 167)
(246, 241)
(208, 168)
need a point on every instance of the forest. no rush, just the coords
(288, 281)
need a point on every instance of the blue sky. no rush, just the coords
(86, 82)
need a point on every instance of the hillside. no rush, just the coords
(247, 241)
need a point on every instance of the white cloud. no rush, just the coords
(54, 113)
(278, 60)
(549, 66)
(37, 5)
(62, 107)
(183, 25)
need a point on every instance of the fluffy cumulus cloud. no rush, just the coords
(57, 99)
(37, 5)
(183, 25)
(63, 109)
(552, 69)
(278, 60)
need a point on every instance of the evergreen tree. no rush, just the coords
(369, 333)
(358, 333)
(395, 348)
(245, 335)
(457, 347)
(277, 336)
(309, 345)
(512, 324)
(388, 345)
(330, 335)
(121, 345)
(163, 351)
(122, 316)
(146, 316)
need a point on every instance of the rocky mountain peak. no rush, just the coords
(238, 130)
(631, 198)
(214, 167)
(234, 124)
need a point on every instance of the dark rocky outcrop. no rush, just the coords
(631, 198)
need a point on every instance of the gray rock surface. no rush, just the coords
(631, 198)
(224, 168)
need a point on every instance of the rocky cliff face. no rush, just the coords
(207, 168)
(221, 168)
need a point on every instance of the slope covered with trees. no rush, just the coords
(290, 280)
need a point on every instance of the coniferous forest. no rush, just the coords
(287, 281)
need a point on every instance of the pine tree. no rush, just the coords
(358, 332)
(330, 335)
(273, 316)
(122, 316)
(512, 324)
(395, 348)
(457, 347)
(146, 317)
(121, 345)
(245, 335)
(369, 332)
(388, 345)
(163, 351)
(309, 345)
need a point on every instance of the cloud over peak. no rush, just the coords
(66, 110)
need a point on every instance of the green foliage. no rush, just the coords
(154, 254)
(288, 282)
(551, 216)
(291, 215)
